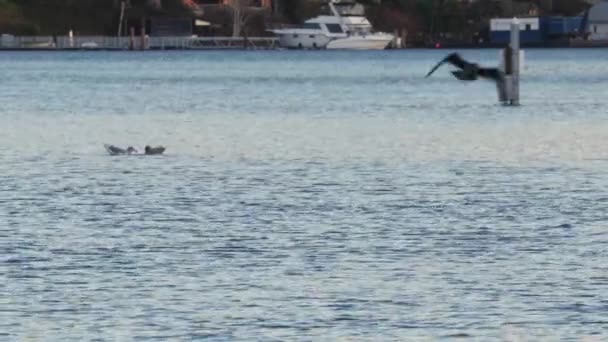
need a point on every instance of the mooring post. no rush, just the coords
(506, 66)
(142, 38)
(396, 43)
(132, 38)
(514, 91)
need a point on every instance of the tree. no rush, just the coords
(570, 7)
(12, 20)
(238, 10)
(297, 11)
(242, 13)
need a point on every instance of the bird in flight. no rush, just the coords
(468, 71)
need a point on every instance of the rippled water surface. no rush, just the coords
(303, 196)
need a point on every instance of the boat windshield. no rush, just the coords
(311, 26)
(334, 28)
(360, 29)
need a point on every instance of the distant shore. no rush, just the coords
(62, 43)
(444, 47)
(104, 43)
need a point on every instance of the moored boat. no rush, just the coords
(336, 31)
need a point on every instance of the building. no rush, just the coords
(597, 21)
(537, 30)
(530, 30)
(563, 27)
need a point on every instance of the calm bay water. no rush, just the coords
(303, 196)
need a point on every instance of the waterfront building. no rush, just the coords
(538, 30)
(530, 30)
(597, 21)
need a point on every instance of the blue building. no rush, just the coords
(596, 21)
(562, 27)
(536, 30)
(530, 30)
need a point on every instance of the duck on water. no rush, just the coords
(148, 150)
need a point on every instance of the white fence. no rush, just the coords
(136, 43)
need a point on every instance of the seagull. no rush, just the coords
(469, 71)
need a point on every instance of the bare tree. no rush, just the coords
(239, 15)
(242, 13)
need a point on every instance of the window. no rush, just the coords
(295, 36)
(528, 27)
(311, 26)
(334, 28)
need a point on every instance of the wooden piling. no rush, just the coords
(143, 34)
(515, 62)
(507, 57)
(132, 38)
(403, 38)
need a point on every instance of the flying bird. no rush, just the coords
(468, 71)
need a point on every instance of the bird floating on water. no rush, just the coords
(154, 150)
(114, 150)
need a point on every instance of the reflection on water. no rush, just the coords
(302, 196)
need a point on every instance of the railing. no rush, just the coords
(254, 43)
(135, 43)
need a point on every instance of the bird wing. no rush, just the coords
(454, 59)
(491, 73)
(464, 76)
(434, 68)
(457, 60)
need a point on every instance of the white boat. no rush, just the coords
(335, 31)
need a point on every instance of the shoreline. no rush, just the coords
(451, 47)
(100, 43)
(188, 43)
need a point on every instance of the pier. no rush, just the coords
(70, 42)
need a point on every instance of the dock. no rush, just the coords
(8, 42)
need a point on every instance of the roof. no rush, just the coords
(598, 13)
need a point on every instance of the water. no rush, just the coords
(303, 196)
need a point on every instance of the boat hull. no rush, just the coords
(303, 40)
(310, 40)
(361, 43)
